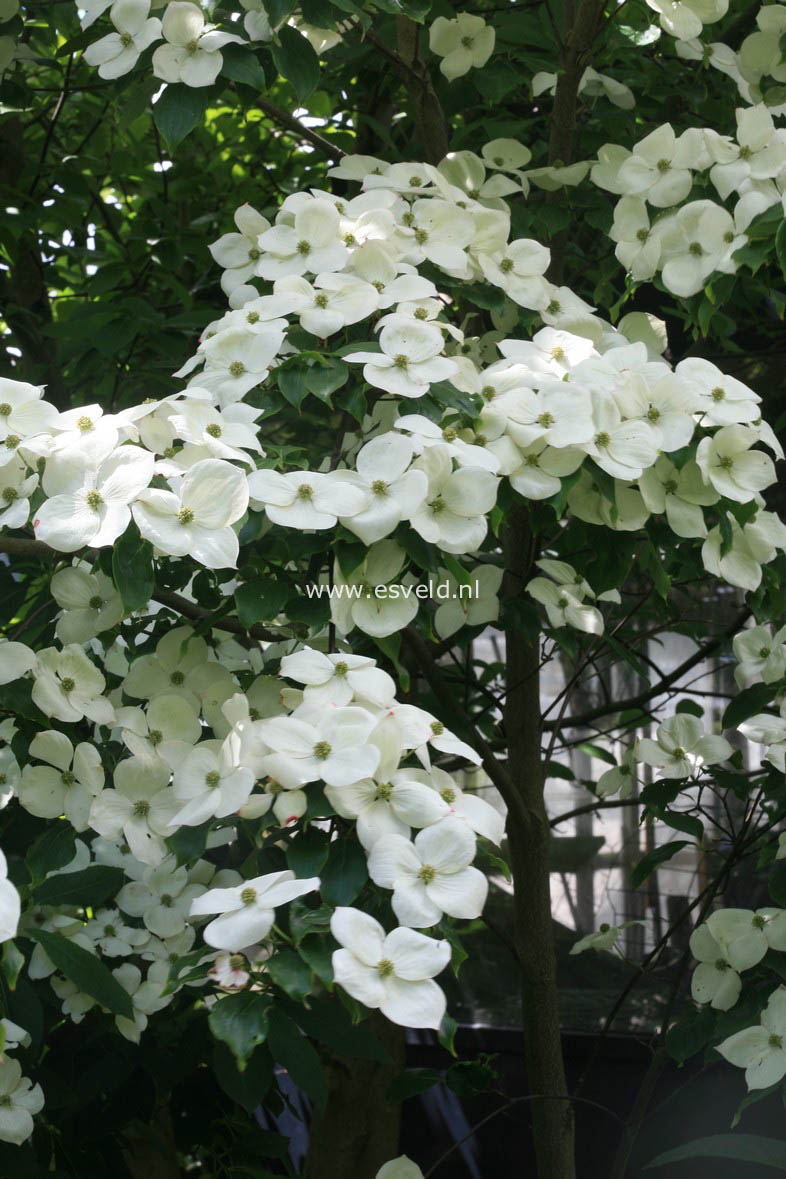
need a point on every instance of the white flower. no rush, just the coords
(10, 776)
(760, 655)
(699, 239)
(239, 253)
(223, 435)
(714, 981)
(762, 152)
(753, 545)
(410, 359)
(22, 412)
(723, 400)
(139, 808)
(453, 515)
(68, 686)
(728, 463)
(393, 491)
(682, 747)
(146, 997)
(89, 505)
(460, 608)
(112, 936)
(595, 84)
(769, 730)
(520, 272)
(20, 1100)
(10, 904)
(431, 876)
(171, 671)
(760, 1050)
(16, 659)
(311, 244)
(338, 678)
(89, 601)
(483, 818)
(605, 938)
(372, 599)
(306, 499)
(559, 414)
(236, 360)
(119, 52)
(213, 496)
(506, 154)
(248, 910)
(392, 972)
(16, 487)
(637, 248)
(69, 782)
(162, 898)
(211, 783)
(686, 18)
(680, 493)
(620, 778)
(333, 302)
(463, 43)
(426, 433)
(564, 597)
(333, 749)
(658, 168)
(192, 53)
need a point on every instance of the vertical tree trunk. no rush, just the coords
(528, 839)
(359, 1131)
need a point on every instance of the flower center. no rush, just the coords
(758, 922)
(141, 808)
(448, 795)
(725, 462)
(437, 505)
(67, 684)
(177, 678)
(679, 752)
(94, 499)
(341, 669)
(252, 317)
(166, 900)
(602, 439)
(721, 964)
(350, 239)
(554, 307)
(506, 265)
(68, 778)
(10, 494)
(670, 486)
(437, 728)
(126, 39)
(385, 968)
(185, 516)
(236, 961)
(303, 248)
(84, 424)
(545, 419)
(305, 491)
(248, 896)
(384, 792)
(775, 1041)
(427, 873)
(401, 361)
(695, 249)
(663, 165)
(642, 234)
(192, 46)
(96, 602)
(323, 750)
(717, 393)
(5, 410)
(212, 779)
(379, 487)
(155, 736)
(214, 430)
(321, 301)
(237, 368)
(745, 152)
(653, 414)
(12, 441)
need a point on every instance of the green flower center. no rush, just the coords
(695, 249)
(427, 873)
(721, 964)
(10, 494)
(5, 410)
(303, 248)
(305, 491)
(67, 684)
(545, 419)
(663, 165)
(554, 307)
(448, 795)
(384, 792)
(725, 462)
(401, 361)
(155, 736)
(341, 669)
(717, 393)
(775, 1041)
(385, 968)
(642, 234)
(185, 516)
(323, 750)
(212, 779)
(84, 424)
(437, 728)
(96, 602)
(126, 39)
(602, 439)
(177, 678)
(12, 441)
(214, 430)
(506, 265)
(141, 808)
(252, 317)
(237, 368)
(421, 236)
(379, 487)
(68, 778)
(321, 301)
(94, 499)
(248, 896)
(758, 922)
(653, 414)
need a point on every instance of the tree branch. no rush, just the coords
(299, 130)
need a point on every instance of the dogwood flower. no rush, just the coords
(699, 239)
(685, 19)
(213, 495)
(68, 783)
(22, 411)
(68, 686)
(728, 463)
(393, 972)
(723, 400)
(605, 937)
(20, 1100)
(637, 248)
(89, 505)
(247, 911)
(374, 601)
(119, 52)
(306, 499)
(338, 678)
(760, 1050)
(332, 747)
(89, 601)
(333, 302)
(239, 253)
(394, 491)
(409, 361)
(682, 747)
(16, 487)
(431, 876)
(211, 783)
(752, 545)
(171, 671)
(112, 936)
(400, 1168)
(659, 168)
(767, 729)
(236, 360)
(464, 43)
(191, 54)
(310, 244)
(680, 493)
(760, 654)
(16, 659)
(10, 904)
(620, 779)
(714, 981)
(762, 152)
(520, 272)
(162, 898)
(139, 808)
(460, 609)
(453, 514)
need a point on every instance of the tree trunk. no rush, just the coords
(528, 839)
(359, 1131)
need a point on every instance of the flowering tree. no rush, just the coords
(237, 735)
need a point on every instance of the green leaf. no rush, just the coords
(330, 1023)
(290, 972)
(318, 953)
(324, 379)
(291, 1049)
(241, 1022)
(654, 859)
(249, 1087)
(178, 111)
(483, 295)
(292, 382)
(345, 872)
(242, 65)
(307, 852)
(688, 824)
(411, 1082)
(748, 703)
(692, 707)
(780, 246)
(690, 1034)
(90, 887)
(52, 850)
(132, 569)
(743, 1148)
(296, 61)
(86, 970)
(261, 600)
(189, 843)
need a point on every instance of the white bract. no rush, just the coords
(247, 911)
(191, 54)
(464, 43)
(682, 747)
(392, 972)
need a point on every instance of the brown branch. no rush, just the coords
(299, 130)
